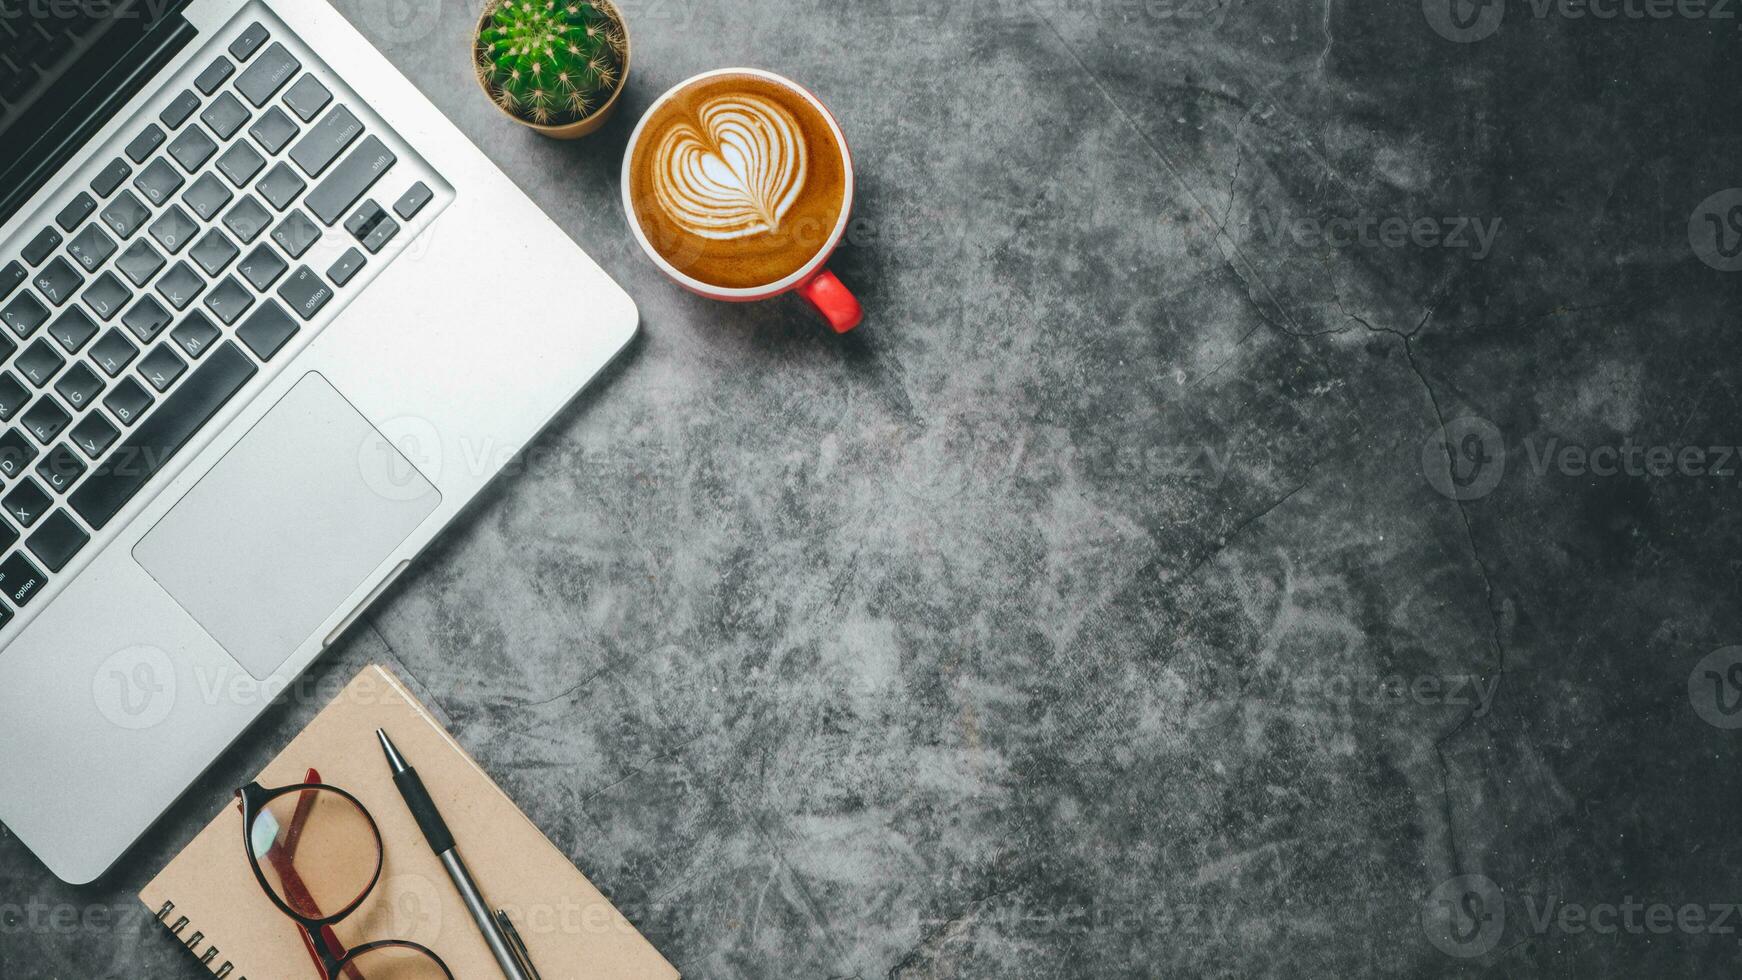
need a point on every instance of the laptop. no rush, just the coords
(267, 324)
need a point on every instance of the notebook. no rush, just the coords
(209, 900)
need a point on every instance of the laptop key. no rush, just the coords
(329, 138)
(281, 185)
(274, 131)
(58, 280)
(27, 502)
(347, 267)
(305, 293)
(20, 580)
(94, 435)
(296, 234)
(144, 145)
(111, 177)
(91, 247)
(162, 368)
(46, 420)
(79, 387)
(262, 267)
(215, 252)
(39, 363)
(244, 47)
(146, 319)
(195, 335)
(11, 277)
(267, 331)
(216, 74)
(208, 196)
(175, 229)
(107, 296)
(76, 211)
(114, 352)
(267, 75)
(140, 262)
(41, 247)
(248, 219)
(58, 541)
(413, 201)
(308, 97)
(178, 111)
(159, 181)
(226, 116)
(59, 470)
(192, 149)
(16, 454)
(24, 315)
(126, 215)
(364, 220)
(350, 180)
(154, 444)
(73, 329)
(229, 300)
(180, 286)
(13, 396)
(241, 162)
(128, 401)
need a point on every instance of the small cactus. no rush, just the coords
(551, 61)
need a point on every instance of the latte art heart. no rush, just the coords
(737, 175)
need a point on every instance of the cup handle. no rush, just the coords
(837, 305)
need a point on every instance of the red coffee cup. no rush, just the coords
(813, 280)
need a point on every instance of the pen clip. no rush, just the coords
(516, 944)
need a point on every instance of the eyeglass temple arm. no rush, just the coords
(283, 861)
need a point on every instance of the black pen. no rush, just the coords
(441, 841)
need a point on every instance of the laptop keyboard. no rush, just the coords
(175, 279)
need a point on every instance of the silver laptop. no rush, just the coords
(264, 330)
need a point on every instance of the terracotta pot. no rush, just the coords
(580, 127)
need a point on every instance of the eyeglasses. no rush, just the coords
(318, 854)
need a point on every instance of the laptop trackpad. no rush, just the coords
(288, 524)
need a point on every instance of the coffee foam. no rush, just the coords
(735, 176)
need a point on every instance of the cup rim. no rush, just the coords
(786, 284)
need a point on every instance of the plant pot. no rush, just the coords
(580, 127)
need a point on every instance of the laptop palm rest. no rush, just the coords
(291, 521)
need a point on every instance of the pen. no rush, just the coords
(441, 841)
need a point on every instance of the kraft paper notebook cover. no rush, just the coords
(210, 900)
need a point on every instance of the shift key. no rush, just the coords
(323, 144)
(347, 184)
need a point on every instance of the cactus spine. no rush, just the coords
(551, 61)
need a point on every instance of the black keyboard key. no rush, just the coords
(114, 352)
(39, 363)
(305, 293)
(107, 296)
(41, 247)
(13, 396)
(262, 267)
(59, 281)
(73, 329)
(95, 435)
(195, 335)
(46, 419)
(346, 269)
(126, 215)
(128, 401)
(328, 139)
(241, 162)
(79, 387)
(192, 149)
(58, 540)
(24, 315)
(179, 110)
(11, 277)
(364, 220)
(383, 233)
(175, 229)
(147, 319)
(20, 581)
(413, 201)
(307, 97)
(140, 262)
(76, 211)
(111, 177)
(16, 454)
(229, 300)
(267, 331)
(215, 252)
(162, 368)
(226, 116)
(144, 145)
(216, 74)
(244, 47)
(266, 76)
(27, 502)
(281, 185)
(60, 469)
(8, 538)
(208, 196)
(296, 234)
(248, 219)
(347, 184)
(92, 247)
(151, 447)
(159, 181)
(274, 131)
(180, 286)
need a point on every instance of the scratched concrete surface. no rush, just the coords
(1236, 545)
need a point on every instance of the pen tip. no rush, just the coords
(394, 760)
